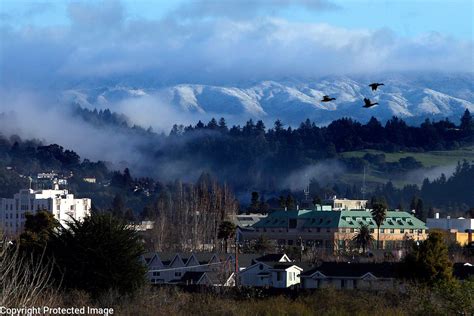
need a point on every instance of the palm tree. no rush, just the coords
(379, 213)
(226, 231)
(363, 237)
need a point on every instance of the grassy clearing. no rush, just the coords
(429, 159)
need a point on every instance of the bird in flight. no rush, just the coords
(326, 98)
(368, 103)
(375, 85)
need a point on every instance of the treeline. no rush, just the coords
(254, 156)
(455, 194)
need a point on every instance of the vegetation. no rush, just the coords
(363, 238)
(98, 255)
(379, 213)
(429, 261)
(226, 231)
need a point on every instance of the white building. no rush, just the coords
(272, 270)
(460, 224)
(346, 204)
(60, 203)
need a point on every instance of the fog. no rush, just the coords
(323, 172)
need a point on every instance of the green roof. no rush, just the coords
(339, 219)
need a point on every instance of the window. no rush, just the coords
(382, 230)
(392, 231)
(402, 231)
(177, 274)
(352, 230)
(279, 276)
(156, 273)
(292, 223)
(318, 230)
(411, 231)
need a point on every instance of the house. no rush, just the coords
(271, 274)
(463, 271)
(170, 268)
(206, 279)
(271, 270)
(347, 275)
(334, 230)
(90, 180)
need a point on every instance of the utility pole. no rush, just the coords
(236, 259)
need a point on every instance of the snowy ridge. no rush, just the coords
(294, 101)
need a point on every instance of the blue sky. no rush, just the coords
(210, 41)
(405, 17)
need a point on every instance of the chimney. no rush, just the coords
(437, 215)
(448, 217)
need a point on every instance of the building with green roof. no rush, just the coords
(334, 230)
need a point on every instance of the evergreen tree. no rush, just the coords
(37, 231)
(467, 123)
(290, 202)
(429, 262)
(118, 206)
(254, 202)
(226, 231)
(97, 255)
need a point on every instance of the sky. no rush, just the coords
(51, 43)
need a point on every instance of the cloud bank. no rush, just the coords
(204, 43)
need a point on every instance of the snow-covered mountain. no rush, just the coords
(409, 97)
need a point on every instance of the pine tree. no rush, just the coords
(254, 202)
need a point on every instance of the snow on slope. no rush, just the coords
(294, 101)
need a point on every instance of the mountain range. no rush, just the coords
(412, 97)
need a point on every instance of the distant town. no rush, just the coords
(307, 248)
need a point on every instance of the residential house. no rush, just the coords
(347, 275)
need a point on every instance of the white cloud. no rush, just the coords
(103, 43)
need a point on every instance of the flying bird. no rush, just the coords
(375, 85)
(368, 103)
(326, 98)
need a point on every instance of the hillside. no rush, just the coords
(412, 97)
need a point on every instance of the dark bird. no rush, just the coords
(326, 98)
(375, 85)
(368, 104)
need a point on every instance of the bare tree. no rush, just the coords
(25, 280)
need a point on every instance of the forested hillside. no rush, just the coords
(254, 158)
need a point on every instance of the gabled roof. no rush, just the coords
(275, 257)
(285, 266)
(463, 271)
(358, 270)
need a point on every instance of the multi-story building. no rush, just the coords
(60, 203)
(458, 229)
(334, 230)
(346, 204)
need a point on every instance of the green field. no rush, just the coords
(429, 159)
